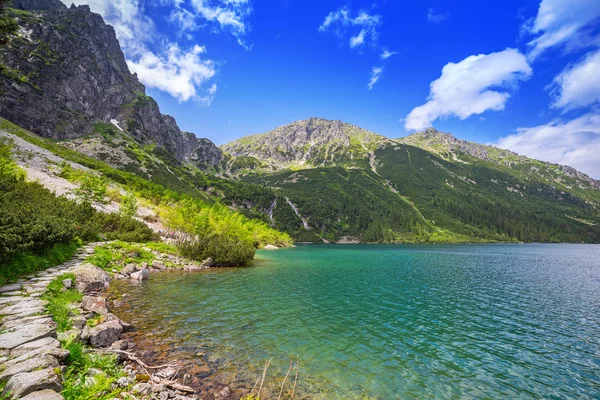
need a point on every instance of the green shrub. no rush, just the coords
(93, 188)
(129, 206)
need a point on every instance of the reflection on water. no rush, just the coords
(386, 322)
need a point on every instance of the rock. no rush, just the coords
(79, 322)
(28, 365)
(271, 247)
(89, 279)
(28, 382)
(129, 269)
(25, 334)
(56, 352)
(120, 345)
(102, 335)
(23, 306)
(42, 319)
(10, 288)
(112, 317)
(142, 388)
(207, 263)
(140, 275)
(124, 381)
(166, 373)
(35, 345)
(46, 394)
(95, 304)
(68, 283)
(224, 393)
(158, 264)
(72, 334)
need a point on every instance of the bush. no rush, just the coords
(129, 206)
(117, 227)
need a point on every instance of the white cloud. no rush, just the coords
(575, 143)
(184, 20)
(563, 23)
(472, 86)
(578, 85)
(385, 54)
(434, 17)
(179, 73)
(362, 28)
(375, 75)
(229, 14)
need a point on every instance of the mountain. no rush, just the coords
(65, 77)
(345, 182)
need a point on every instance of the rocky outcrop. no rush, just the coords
(65, 72)
(312, 141)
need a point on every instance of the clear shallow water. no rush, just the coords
(393, 322)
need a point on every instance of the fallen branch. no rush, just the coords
(296, 379)
(264, 375)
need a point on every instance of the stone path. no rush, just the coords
(30, 355)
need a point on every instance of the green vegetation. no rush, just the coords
(215, 232)
(117, 254)
(59, 301)
(129, 206)
(39, 229)
(88, 374)
(8, 25)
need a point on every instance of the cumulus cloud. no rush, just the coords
(434, 17)
(578, 85)
(385, 54)
(566, 23)
(183, 73)
(472, 86)
(375, 75)
(362, 28)
(179, 73)
(575, 143)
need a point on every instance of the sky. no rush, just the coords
(522, 75)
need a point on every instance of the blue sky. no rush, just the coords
(524, 75)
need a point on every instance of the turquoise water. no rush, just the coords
(393, 322)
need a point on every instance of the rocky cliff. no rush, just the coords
(65, 72)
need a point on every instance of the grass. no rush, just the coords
(28, 263)
(59, 301)
(118, 254)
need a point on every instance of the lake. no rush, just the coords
(386, 321)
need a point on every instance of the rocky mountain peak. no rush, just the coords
(67, 74)
(309, 141)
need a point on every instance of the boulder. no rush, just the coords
(95, 304)
(10, 288)
(25, 334)
(42, 319)
(207, 263)
(35, 345)
(102, 335)
(158, 264)
(68, 283)
(28, 382)
(167, 373)
(271, 247)
(28, 365)
(89, 278)
(112, 317)
(124, 381)
(141, 275)
(46, 394)
(129, 269)
(142, 388)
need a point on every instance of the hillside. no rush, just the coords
(429, 187)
